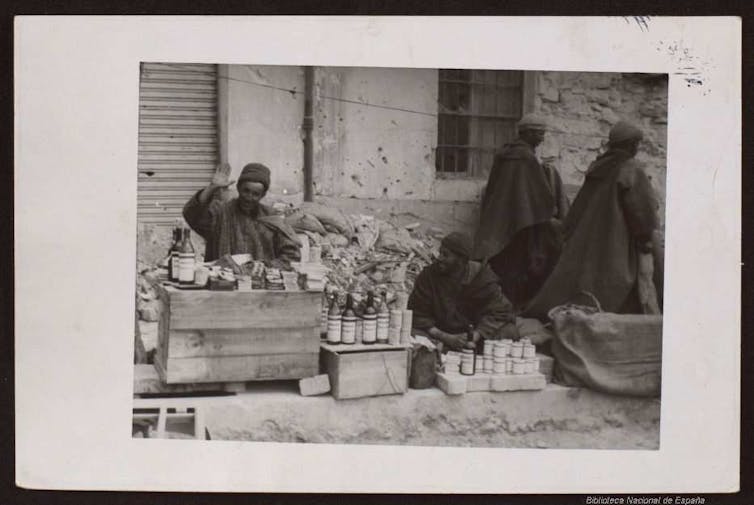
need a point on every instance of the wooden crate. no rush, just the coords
(237, 336)
(360, 370)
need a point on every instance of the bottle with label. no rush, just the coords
(348, 322)
(359, 304)
(325, 310)
(334, 321)
(173, 253)
(370, 321)
(186, 259)
(383, 320)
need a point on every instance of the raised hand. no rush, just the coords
(221, 177)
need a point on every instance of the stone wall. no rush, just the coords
(373, 160)
(582, 106)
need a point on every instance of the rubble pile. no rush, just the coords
(361, 253)
(364, 253)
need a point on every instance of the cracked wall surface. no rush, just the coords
(379, 158)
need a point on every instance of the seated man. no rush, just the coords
(453, 293)
(243, 224)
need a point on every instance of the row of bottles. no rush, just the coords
(373, 321)
(181, 256)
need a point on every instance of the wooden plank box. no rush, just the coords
(237, 336)
(359, 370)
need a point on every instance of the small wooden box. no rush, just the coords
(237, 336)
(360, 370)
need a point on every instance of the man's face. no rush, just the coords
(449, 262)
(533, 136)
(249, 194)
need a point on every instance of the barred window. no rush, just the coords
(477, 114)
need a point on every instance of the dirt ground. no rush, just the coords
(557, 418)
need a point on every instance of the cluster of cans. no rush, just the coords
(500, 357)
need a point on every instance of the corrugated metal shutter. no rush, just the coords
(177, 136)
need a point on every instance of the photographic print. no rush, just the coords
(401, 256)
(294, 254)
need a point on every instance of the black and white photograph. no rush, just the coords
(401, 256)
(363, 254)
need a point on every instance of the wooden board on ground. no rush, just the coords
(359, 372)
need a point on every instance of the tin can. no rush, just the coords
(509, 365)
(499, 350)
(517, 350)
(533, 365)
(396, 319)
(519, 366)
(498, 366)
(201, 275)
(489, 347)
(468, 362)
(529, 351)
(453, 366)
(489, 364)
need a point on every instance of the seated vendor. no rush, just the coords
(454, 292)
(242, 224)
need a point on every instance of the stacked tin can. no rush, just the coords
(468, 362)
(510, 357)
(452, 362)
(488, 356)
(529, 354)
(500, 351)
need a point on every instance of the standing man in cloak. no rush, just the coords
(453, 293)
(243, 224)
(609, 235)
(521, 209)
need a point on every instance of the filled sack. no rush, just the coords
(612, 353)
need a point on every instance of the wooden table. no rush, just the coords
(237, 336)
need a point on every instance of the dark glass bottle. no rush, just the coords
(348, 322)
(187, 259)
(370, 320)
(173, 254)
(334, 321)
(383, 320)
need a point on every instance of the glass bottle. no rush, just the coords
(334, 321)
(348, 322)
(370, 321)
(173, 253)
(383, 320)
(187, 259)
(326, 300)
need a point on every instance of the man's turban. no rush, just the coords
(532, 122)
(457, 242)
(624, 132)
(255, 172)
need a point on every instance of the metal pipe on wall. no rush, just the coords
(307, 127)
